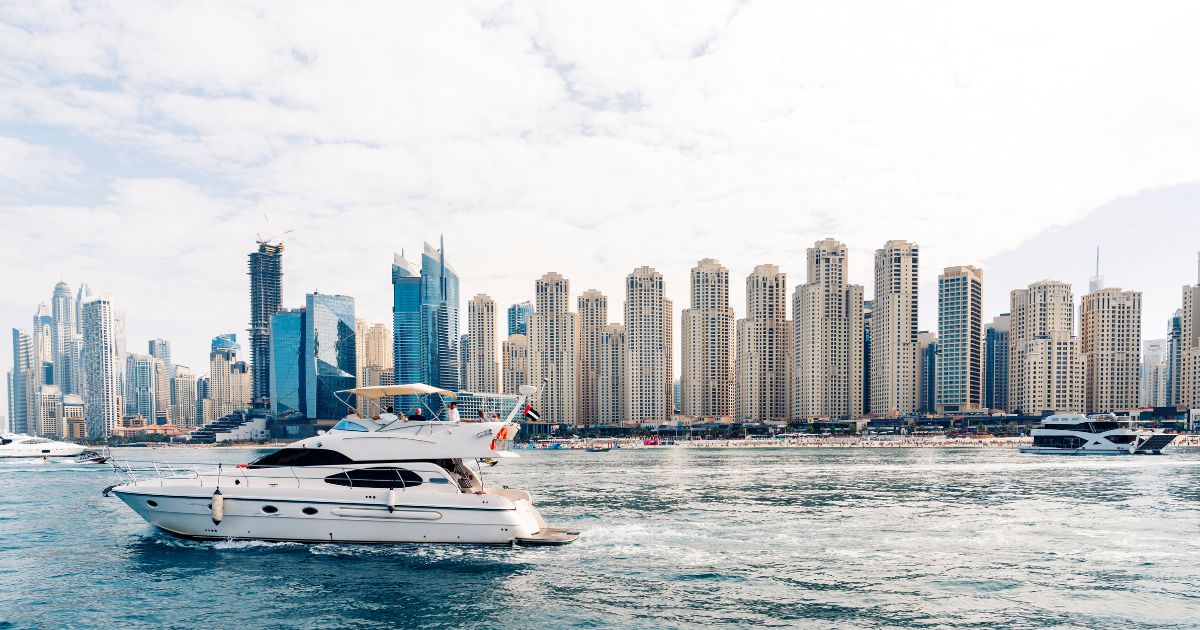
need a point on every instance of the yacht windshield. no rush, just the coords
(302, 457)
(346, 425)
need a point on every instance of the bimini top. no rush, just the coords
(407, 389)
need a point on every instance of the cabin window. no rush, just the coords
(1121, 439)
(346, 425)
(382, 477)
(309, 510)
(302, 457)
(269, 509)
(152, 503)
(1058, 441)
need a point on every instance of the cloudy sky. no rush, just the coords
(142, 144)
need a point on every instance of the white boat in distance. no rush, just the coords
(394, 480)
(20, 445)
(1077, 434)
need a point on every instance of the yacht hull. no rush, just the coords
(363, 520)
(1034, 450)
(36, 452)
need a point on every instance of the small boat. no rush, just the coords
(20, 445)
(392, 480)
(1104, 434)
(598, 449)
(92, 457)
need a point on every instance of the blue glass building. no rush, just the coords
(329, 354)
(439, 319)
(518, 318)
(425, 322)
(286, 374)
(406, 326)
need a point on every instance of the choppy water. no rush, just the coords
(672, 537)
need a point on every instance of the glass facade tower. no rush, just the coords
(425, 322)
(288, 389)
(329, 353)
(518, 318)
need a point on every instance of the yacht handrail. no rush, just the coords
(133, 471)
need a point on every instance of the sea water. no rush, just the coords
(672, 537)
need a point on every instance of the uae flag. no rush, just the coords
(531, 414)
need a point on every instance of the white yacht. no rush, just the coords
(19, 445)
(1077, 434)
(390, 480)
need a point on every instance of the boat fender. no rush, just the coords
(107, 492)
(391, 500)
(218, 507)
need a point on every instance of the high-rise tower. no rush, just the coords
(266, 295)
(893, 365)
(1045, 365)
(707, 345)
(1111, 336)
(960, 340)
(827, 338)
(554, 350)
(764, 340)
(649, 347)
(593, 317)
(481, 356)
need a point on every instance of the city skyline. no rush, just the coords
(140, 158)
(165, 345)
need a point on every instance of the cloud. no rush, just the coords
(587, 139)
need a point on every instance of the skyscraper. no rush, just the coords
(439, 319)
(65, 352)
(141, 391)
(161, 349)
(554, 350)
(515, 363)
(1111, 338)
(373, 347)
(827, 338)
(183, 397)
(707, 345)
(329, 353)
(1153, 382)
(289, 392)
(613, 368)
(1045, 366)
(995, 363)
(649, 347)
(1189, 348)
(593, 317)
(960, 339)
(518, 318)
(927, 359)
(406, 326)
(764, 343)
(425, 321)
(266, 295)
(481, 358)
(102, 382)
(1174, 356)
(893, 364)
(229, 379)
(24, 379)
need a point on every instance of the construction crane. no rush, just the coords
(271, 238)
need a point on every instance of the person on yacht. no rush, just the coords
(388, 416)
(416, 415)
(452, 413)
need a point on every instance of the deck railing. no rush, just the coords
(208, 473)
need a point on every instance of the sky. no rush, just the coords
(144, 147)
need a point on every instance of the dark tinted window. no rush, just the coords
(302, 457)
(383, 477)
